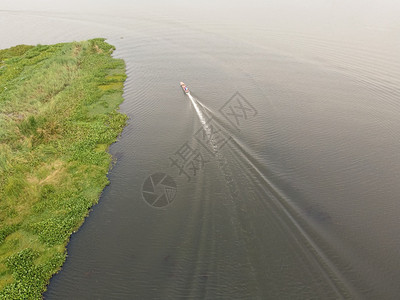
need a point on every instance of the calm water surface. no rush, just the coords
(288, 190)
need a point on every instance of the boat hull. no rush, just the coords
(185, 89)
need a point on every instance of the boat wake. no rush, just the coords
(245, 179)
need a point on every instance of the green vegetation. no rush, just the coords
(58, 115)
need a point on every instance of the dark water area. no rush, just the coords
(278, 178)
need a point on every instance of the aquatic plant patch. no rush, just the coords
(58, 115)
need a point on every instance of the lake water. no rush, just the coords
(278, 178)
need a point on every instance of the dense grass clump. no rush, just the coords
(58, 115)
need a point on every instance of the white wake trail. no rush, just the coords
(198, 111)
(207, 126)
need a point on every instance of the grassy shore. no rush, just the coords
(58, 116)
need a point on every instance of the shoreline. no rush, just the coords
(58, 115)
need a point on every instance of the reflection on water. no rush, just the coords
(290, 191)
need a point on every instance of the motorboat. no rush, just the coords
(185, 88)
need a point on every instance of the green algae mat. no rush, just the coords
(58, 116)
